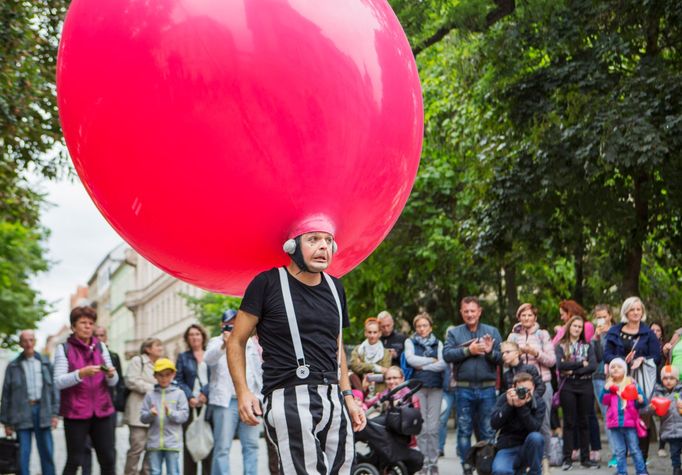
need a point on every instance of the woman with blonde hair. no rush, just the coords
(370, 360)
(139, 379)
(424, 353)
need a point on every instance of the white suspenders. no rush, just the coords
(303, 369)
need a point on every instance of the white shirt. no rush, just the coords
(220, 387)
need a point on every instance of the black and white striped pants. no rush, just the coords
(311, 429)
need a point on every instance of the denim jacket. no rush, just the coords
(187, 373)
(15, 410)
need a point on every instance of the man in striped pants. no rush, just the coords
(298, 312)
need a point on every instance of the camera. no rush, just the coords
(228, 327)
(375, 378)
(521, 392)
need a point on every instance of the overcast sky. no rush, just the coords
(80, 238)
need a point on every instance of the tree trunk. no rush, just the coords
(512, 293)
(579, 289)
(635, 243)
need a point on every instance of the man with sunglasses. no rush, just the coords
(222, 402)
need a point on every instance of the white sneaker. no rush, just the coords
(662, 453)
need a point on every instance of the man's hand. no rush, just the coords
(477, 348)
(9, 431)
(249, 408)
(511, 396)
(54, 422)
(357, 415)
(202, 399)
(488, 342)
(193, 402)
(87, 371)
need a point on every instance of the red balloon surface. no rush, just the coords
(205, 130)
(629, 393)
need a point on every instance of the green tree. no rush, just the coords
(29, 135)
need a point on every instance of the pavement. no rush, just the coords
(448, 465)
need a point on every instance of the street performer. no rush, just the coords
(298, 312)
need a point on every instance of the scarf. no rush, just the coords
(430, 345)
(371, 353)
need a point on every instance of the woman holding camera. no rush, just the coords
(370, 360)
(83, 373)
(576, 362)
(424, 353)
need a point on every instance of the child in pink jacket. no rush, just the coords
(622, 417)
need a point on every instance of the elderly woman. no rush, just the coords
(83, 372)
(139, 379)
(633, 341)
(370, 358)
(424, 353)
(193, 377)
(536, 348)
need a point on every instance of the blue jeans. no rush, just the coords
(43, 441)
(170, 457)
(598, 385)
(624, 441)
(449, 398)
(225, 424)
(675, 449)
(474, 405)
(515, 459)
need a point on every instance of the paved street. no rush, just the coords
(448, 465)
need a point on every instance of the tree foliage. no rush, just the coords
(29, 133)
(551, 161)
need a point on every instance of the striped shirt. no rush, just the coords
(34, 377)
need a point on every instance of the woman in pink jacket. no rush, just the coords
(536, 348)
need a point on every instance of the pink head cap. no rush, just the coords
(315, 223)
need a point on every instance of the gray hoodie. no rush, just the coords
(671, 423)
(165, 430)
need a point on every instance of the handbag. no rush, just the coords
(556, 397)
(405, 419)
(556, 451)
(9, 455)
(642, 430)
(199, 436)
(645, 376)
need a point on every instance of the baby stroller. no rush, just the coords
(382, 447)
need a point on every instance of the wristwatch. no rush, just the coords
(347, 392)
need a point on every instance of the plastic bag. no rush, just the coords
(199, 436)
(556, 451)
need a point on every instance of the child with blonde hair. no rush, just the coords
(622, 416)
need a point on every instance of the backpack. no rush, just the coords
(408, 370)
(481, 456)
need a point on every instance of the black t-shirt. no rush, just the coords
(318, 325)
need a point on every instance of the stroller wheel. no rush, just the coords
(397, 469)
(365, 469)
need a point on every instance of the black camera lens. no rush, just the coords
(521, 392)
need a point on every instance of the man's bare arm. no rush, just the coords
(249, 405)
(357, 415)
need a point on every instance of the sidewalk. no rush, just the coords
(449, 465)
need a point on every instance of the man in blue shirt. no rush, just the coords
(474, 350)
(29, 404)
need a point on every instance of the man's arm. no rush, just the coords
(451, 352)
(249, 405)
(357, 415)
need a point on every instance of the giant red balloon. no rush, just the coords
(204, 130)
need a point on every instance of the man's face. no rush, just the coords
(471, 313)
(386, 326)
(27, 341)
(317, 250)
(101, 334)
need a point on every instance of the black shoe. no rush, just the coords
(467, 469)
(566, 466)
(589, 464)
(677, 471)
(441, 453)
